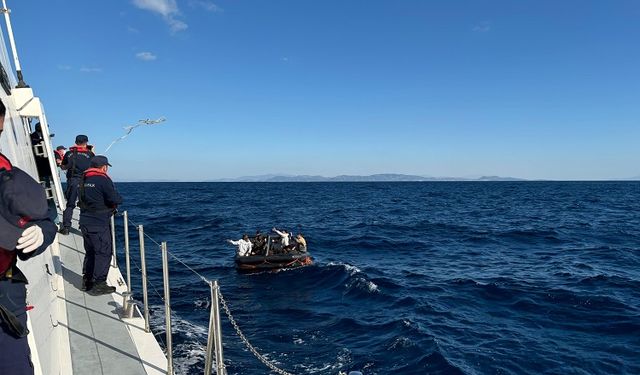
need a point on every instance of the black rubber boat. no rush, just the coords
(254, 263)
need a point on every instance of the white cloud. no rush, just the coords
(64, 67)
(176, 25)
(482, 27)
(146, 56)
(205, 4)
(285, 59)
(85, 69)
(133, 30)
(167, 9)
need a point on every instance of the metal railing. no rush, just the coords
(167, 306)
(214, 337)
(113, 242)
(125, 218)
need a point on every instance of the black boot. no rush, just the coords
(63, 230)
(101, 288)
(87, 283)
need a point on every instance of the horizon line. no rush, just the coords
(377, 177)
(224, 181)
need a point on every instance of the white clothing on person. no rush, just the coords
(284, 236)
(244, 247)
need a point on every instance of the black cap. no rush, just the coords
(81, 138)
(98, 161)
(22, 200)
(61, 148)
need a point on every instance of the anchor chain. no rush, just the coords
(253, 350)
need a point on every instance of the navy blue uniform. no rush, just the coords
(15, 356)
(75, 161)
(42, 162)
(98, 200)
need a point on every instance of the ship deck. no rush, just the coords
(101, 340)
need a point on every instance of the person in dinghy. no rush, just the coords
(244, 246)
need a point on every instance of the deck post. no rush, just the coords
(113, 241)
(167, 306)
(210, 337)
(127, 306)
(143, 264)
(126, 250)
(214, 338)
(220, 370)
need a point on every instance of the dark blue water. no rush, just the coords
(410, 278)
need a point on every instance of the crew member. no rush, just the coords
(75, 162)
(59, 154)
(25, 231)
(42, 162)
(36, 136)
(98, 202)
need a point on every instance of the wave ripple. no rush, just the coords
(410, 278)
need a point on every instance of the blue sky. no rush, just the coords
(532, 89)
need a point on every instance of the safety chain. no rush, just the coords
(253, 350)
(244, 339)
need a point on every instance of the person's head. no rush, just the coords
(38, 127)
(245, 237)
(3, 111)
(299, 235)
(81, 140)
(101, 162)
(60, 148)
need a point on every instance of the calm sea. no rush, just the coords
(409, 278)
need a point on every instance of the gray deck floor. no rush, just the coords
(100, 341)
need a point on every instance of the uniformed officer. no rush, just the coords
(75, 162)
(59, 154)
(98, 201)
(25, 231)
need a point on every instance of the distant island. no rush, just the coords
(383, 177)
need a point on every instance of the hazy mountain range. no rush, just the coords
(383, 177)
(352, 178)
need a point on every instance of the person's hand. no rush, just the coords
(32, 238)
